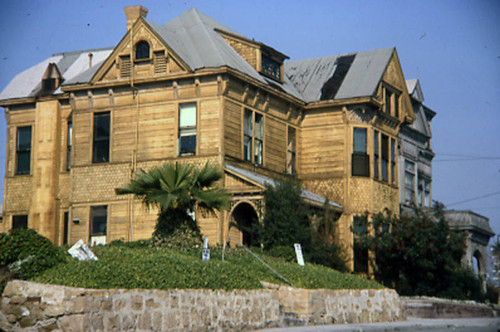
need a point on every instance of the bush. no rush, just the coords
(125, 265)
(419, 255)
(24, 253)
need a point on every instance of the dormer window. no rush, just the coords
(142, 51)
(271, 67)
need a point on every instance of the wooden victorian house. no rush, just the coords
(81, 124)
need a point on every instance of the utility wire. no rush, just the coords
(474, 198)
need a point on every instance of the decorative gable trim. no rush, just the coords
(122, 62)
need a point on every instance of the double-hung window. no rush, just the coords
(424, 191)
(100, 144)
(376, 154)
(291, 151)
(23, 150)
(385, 157)
(187, 129)
(253, 137)
(409, 182)
(360, 159)
(69, 144)
(393, 161)
(98, 224)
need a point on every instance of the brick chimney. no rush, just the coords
(133, 13)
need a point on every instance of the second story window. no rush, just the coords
(23, 150)
(409, 182)
(385, 158)
(360, 159)
(142, 50)
(253, 136)
(187, 129)
(100, 146)
(291, 151)
(69, 144)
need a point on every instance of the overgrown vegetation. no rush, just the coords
(137, 265)
(176, 190)
(24, 254)
(419, 255)
(289, 219)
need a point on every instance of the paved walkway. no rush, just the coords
(412, 324)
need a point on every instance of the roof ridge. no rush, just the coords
(83, 51)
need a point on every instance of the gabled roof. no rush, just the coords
(423, 114)
(265, 181)
(69, 64)
(359, 77)
(193, 36)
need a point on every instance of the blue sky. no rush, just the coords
(452, 46)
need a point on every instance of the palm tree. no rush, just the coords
(176, 190)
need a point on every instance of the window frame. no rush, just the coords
(23, 151)
(142, 58)
(253, 137)
(97, 141)
(392, 101)
(385, 158)
(360, 264)
(267, 64)
(409, 187)
(25, 221)
(95, 213)
(187, 131)
(360, 158)
(291, 160)
(69, 142)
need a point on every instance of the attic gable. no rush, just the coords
(141, 53)
(393, 93)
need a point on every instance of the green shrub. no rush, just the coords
(132, 265)
(27, 253)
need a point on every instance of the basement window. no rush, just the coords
(20, 221)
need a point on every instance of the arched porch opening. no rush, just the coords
(246, 219)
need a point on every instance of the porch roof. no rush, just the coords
(264, 181)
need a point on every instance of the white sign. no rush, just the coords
(298, 253)
(205, 252)
(82, 252)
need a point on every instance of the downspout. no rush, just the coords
(135, 95)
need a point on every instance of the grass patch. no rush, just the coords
(135, 265)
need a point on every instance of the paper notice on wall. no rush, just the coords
(82, 252)
(298, 253)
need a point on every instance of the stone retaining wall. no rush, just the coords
(25, 305)
(441, 308)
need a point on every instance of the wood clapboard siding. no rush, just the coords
(82, 133)
(209, 127)
(233, 129)
(322, 144)
(157, 132)
(275, 145)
